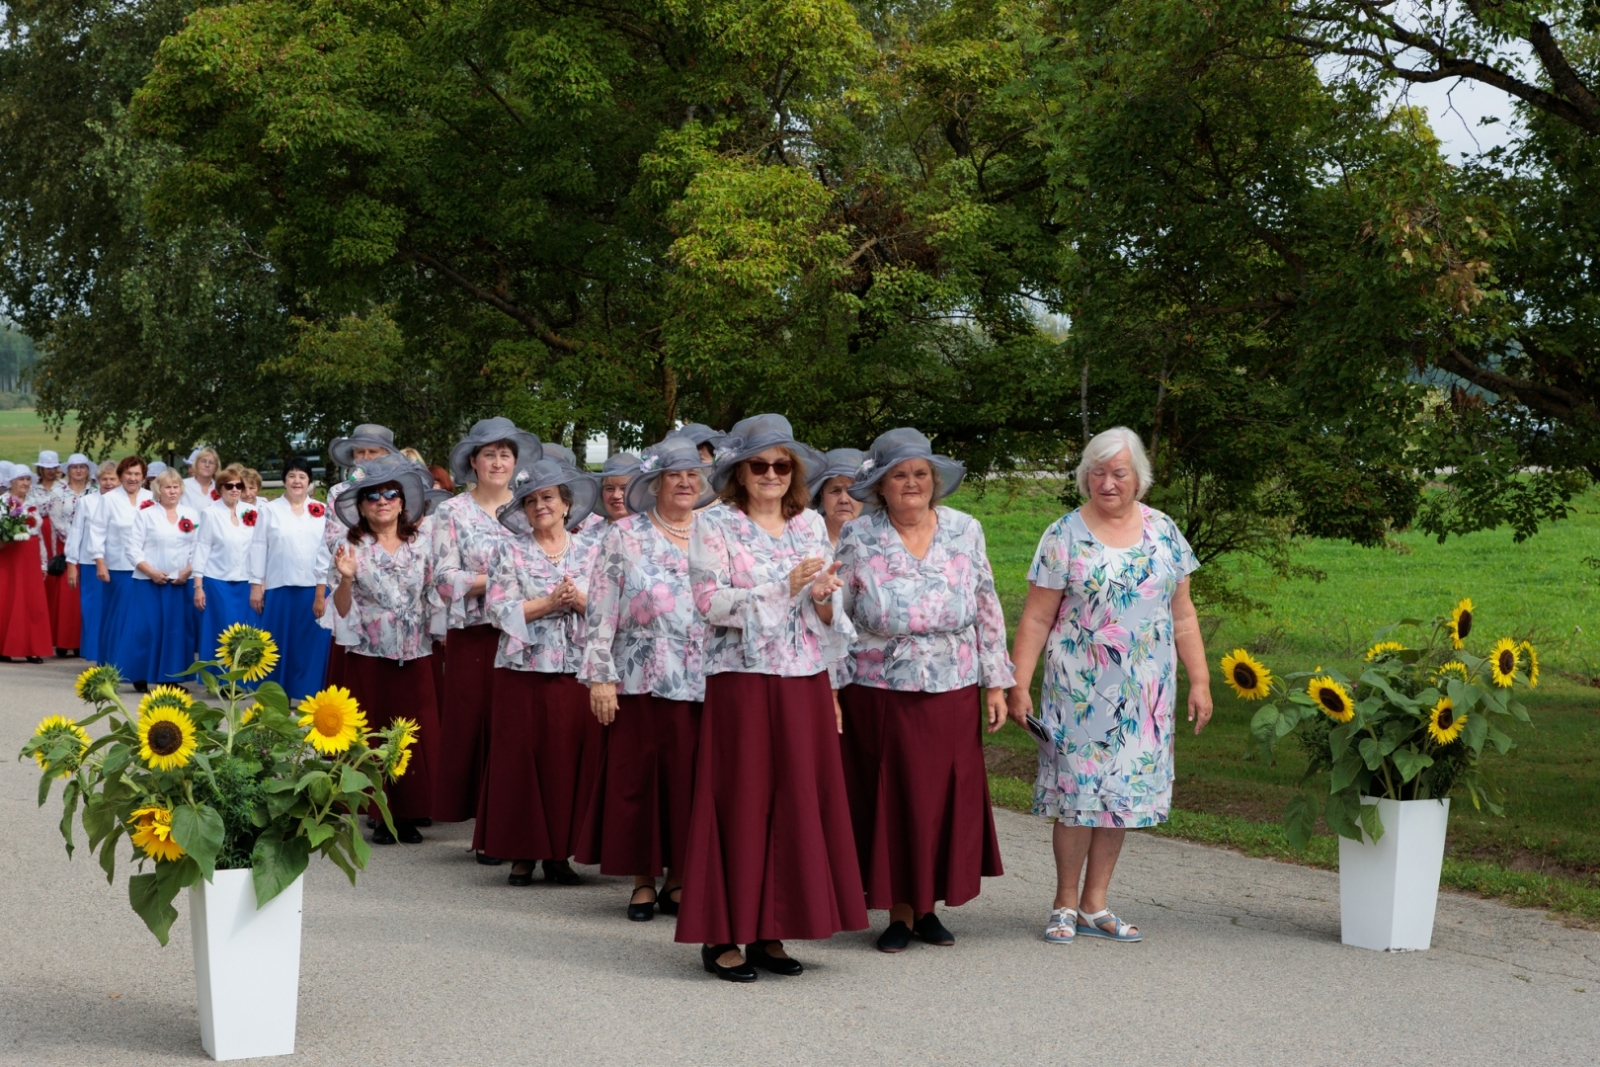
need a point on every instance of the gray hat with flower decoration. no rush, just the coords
(840, 461)
(619, 465)
(670, 454)
(368, 435)
(753, 436)
(492, 432)
(413, 479)
(698, 433)
(896, 446)
(585, 489)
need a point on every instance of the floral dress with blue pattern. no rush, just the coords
(1110, 681)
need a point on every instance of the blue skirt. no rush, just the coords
(226, 603)
(165, 624)
(302, 643)
(120, 643)
(91, 603)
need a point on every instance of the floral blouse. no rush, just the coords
(465, 539)
(927, 625)
(740, 576)
(34, 514)
(521, 571)
(62, 507)
(391, 612)
(644, 632)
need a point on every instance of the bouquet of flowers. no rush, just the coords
(15, 522)
(1413, 726)
(239, 782)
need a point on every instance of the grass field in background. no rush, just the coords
(23, 436)
(1544, 852)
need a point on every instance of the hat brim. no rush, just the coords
(950, 473)
(585, 489)
(342, 450)
(414, 486)
(641, 496)
(529, 452)
(809, 457)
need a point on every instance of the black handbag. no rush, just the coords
(57, 566)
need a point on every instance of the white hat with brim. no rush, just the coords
(156, 468)
(585, 489)
(368, 435)
(492, 432)
(671, 454)
(413, 479)
(48, 460)
(78, 458)
(753, 436)
(894, 447)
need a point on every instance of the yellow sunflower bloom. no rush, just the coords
(397, 754)
(165, 696)
(1444, 724)
(166, 738)
(335, 719)
(1384, 648)
(97, 684)
(248, 649)
(49, 732)
(152, 832)
(1533, 663)
(1332, 698)
(1454, 667)
(1248, 677)
(1460, 623)
(1503, 662)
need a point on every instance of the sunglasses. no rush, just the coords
(226, 486)
(372, 496)
(759, 467)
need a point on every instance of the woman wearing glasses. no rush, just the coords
(366, 442)
(771, 851)
(222, 561)
(164, 624)
(200, 488)
(289, 559)
(382, 616)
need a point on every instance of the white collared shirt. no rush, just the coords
(108, 534)
(162, 543)
(198, 499)
(222, 547)
(289, 549)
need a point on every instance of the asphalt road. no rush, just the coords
(433, 959)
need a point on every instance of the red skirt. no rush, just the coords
(771, 853)
(544, 770)
(468, 662)
(919, 795)
(640, 824)
(24, 610)
(66, 614)
(388, 690)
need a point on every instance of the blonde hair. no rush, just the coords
(108, 466)
(202, 454)
(252, 477)
(413, 455)
(169, 477)
(1103, 447)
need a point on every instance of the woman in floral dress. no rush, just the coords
(643, 662)
(1108, 603)
(929, 632)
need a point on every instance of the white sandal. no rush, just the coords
(1063, 927)
(1089, 926)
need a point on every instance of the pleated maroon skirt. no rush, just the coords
(468, 662)
(24, 611)
(919, 795)
(386, 691)
(640, 823)
(66, 614)
(544, 769)
(771, 853)
(336, 658)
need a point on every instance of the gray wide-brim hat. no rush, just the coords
(698, 433)
(489, 432)
(753, 436)
(433, 498)
(669, 454)
(560, 453)
(840, 461)
(896, 446)
(619, 465)
(414, 481)
(367, 435)
(585, 489)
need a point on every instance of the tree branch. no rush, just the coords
(497, 300)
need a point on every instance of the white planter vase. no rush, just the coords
(1388, 889)
(246, 966)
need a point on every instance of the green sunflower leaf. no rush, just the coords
(1300, 820)
(148, 901)
(1410, 763)
(1344, 772)
(199, 830)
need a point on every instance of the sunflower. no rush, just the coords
(1460, 623)
(1455, 667)
(1384, 648)
(335, 720)
(165, 696)
(397, 753)
(1533, 663)
(52, 730)
(1503, 662)
(1332, 698)
(1250, 679)
(97, 684)
(1444, 724)
(166, 738)
(248, 649)
(152, 832)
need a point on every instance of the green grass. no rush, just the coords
(1546, 851)
(23, 436)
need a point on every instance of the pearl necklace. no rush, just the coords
(559, 556)
(676, 531)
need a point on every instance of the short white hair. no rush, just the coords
(1103, 447)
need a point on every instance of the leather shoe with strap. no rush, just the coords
(741, 972)
(756, 954)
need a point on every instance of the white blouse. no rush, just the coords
(78, 532)
(221, 548)
(166, 546)
(290, 549)
(108, 535)
(198, 499)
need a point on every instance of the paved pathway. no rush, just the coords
(433, 959)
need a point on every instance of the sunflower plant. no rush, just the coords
(232, 779)
(1412, 726)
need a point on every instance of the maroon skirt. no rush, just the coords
(771, 854)
(640, 823)
(544, 770)
(919, 795)
(24, 609)
(388, 690)
(464, 721)
(336, 658)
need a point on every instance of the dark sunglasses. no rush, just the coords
(226, 486)
(759, 467)
(372, 496)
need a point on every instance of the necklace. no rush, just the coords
(676, 531)
(557, 557)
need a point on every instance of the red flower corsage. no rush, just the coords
(248, 518)
(316, 510)
(146, 504)
(215, 495)
(31, 520)
(186, 526)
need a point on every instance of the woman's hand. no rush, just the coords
(1200, 704)
(72, 576)
(344, 559)
(802, 574)
(319, 602)
(838, 712)
(183, 575)
(995, 703)
(1019, 703)
(258, 598)
(603, 702)
(199, 597)
(101, 571)
(822, 588)
(158, 577)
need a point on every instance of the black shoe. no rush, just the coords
(6, 659)
(382, 836)
(931, 930)
(667, 902)
(61, 653)
(488, 860)
(741, 973)
(755, 954)
(141, 687)
(522, 878)
(895, 939)
(407, 832)
(642, 911)
(561, 874)
(35, 659)
(423, 822)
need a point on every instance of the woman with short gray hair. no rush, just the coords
(1108, 605)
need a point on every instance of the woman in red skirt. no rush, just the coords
(544, 767)
(66, 613)
(466, 534)
(771, 853)
(929, 632)
(24, 614)
(382, 620)
(644, 665)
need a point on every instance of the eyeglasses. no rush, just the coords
(372, 496)
(227, 486)
(759, 467)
